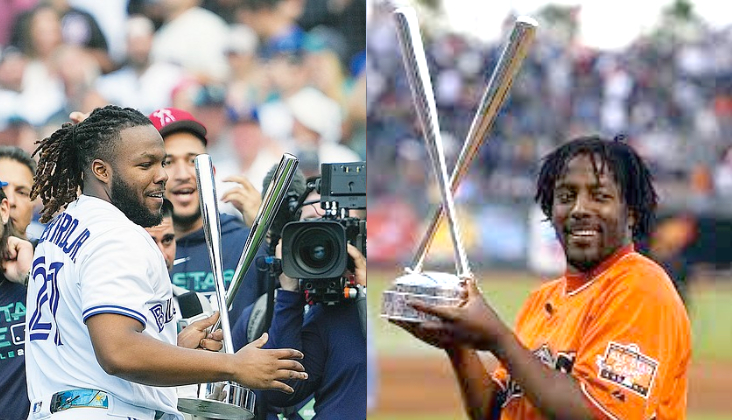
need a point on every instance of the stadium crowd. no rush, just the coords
(669, 93)
(239, 67)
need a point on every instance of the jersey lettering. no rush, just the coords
(47, 294)
(59, 232)
(163, 315)
(200, 281)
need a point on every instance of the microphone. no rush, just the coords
(189, 305)
(191, 309)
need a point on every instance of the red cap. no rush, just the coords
(170, 120)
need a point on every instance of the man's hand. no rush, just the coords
(359, 263)
(471, 324)
(293, 285)
(17, 260)
(245, 198)
(434, 337)
(196, 335)
(260, 368)
(77, 116)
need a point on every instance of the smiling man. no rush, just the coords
(185, 138)
(608, 340)
(101, 327)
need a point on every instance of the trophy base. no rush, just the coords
(220, 400)
(395, 307)
(431, 288)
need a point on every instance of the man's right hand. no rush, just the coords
(267, 368)
(287, 283)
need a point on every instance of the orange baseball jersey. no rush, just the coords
(621, 331)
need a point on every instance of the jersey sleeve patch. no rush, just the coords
(628, 367)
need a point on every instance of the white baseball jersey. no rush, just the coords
(92, 260)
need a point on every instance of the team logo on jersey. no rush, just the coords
(627, 367)
(163, 313)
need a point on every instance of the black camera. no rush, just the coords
(314, 251)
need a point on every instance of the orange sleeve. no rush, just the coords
(628, 357)
(500, 374)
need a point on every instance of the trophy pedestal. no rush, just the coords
(431, 288)
(220, 400)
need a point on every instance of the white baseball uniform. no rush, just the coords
(92, 260)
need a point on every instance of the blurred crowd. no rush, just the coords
(252, 71)
(669, 95)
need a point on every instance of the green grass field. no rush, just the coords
(709, 309)
(710, 312)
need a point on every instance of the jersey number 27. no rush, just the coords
(46, 301)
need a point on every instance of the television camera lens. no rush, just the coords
(316, 250)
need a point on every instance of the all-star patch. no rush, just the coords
(627, 367)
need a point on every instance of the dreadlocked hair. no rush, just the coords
(68, 152)
(627, 168)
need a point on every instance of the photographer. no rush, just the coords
(333, 344)
(328, 332)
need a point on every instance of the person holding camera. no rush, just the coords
(331, 340)
(328, 333)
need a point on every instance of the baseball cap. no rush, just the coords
(171, 120)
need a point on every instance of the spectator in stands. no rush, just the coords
(341, 16)
(275, 21)
(78, 28)
(247, 86)
(141, 83)
(194, 38)
(316, 128)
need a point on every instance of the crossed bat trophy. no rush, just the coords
(437, 287)
(230, 400)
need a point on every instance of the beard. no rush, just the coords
(124, 199)
(186, 221)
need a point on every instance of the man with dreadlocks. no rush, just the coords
(101, 330)
(608, 340)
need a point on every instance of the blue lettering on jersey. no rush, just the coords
(60, 231)
(163, 313)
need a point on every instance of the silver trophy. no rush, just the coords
(230, 400)
(439, 288)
